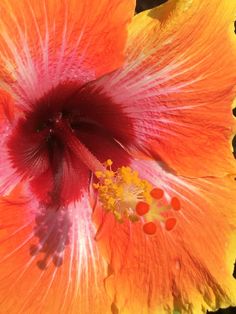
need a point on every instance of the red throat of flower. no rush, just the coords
(61, 140)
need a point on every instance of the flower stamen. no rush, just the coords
(129, 197)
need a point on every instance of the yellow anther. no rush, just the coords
(96, 186)
(107, 181)
(120, 191)
(109, 173)
(109, 163)
(98, 174)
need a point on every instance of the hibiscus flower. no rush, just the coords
(116, 166)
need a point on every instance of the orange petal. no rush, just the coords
(8, 113)
(180, 76)
(7, 110)
(186, 269)
(48, 266)
(43, 42)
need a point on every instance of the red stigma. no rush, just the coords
(170, 224)
(157, 193)
(142, 208)
(175, 203)
(149, 228)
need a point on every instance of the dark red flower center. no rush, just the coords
(63, 137)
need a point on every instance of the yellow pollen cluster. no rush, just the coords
(119, 191)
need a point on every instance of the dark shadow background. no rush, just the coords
(148, 4)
